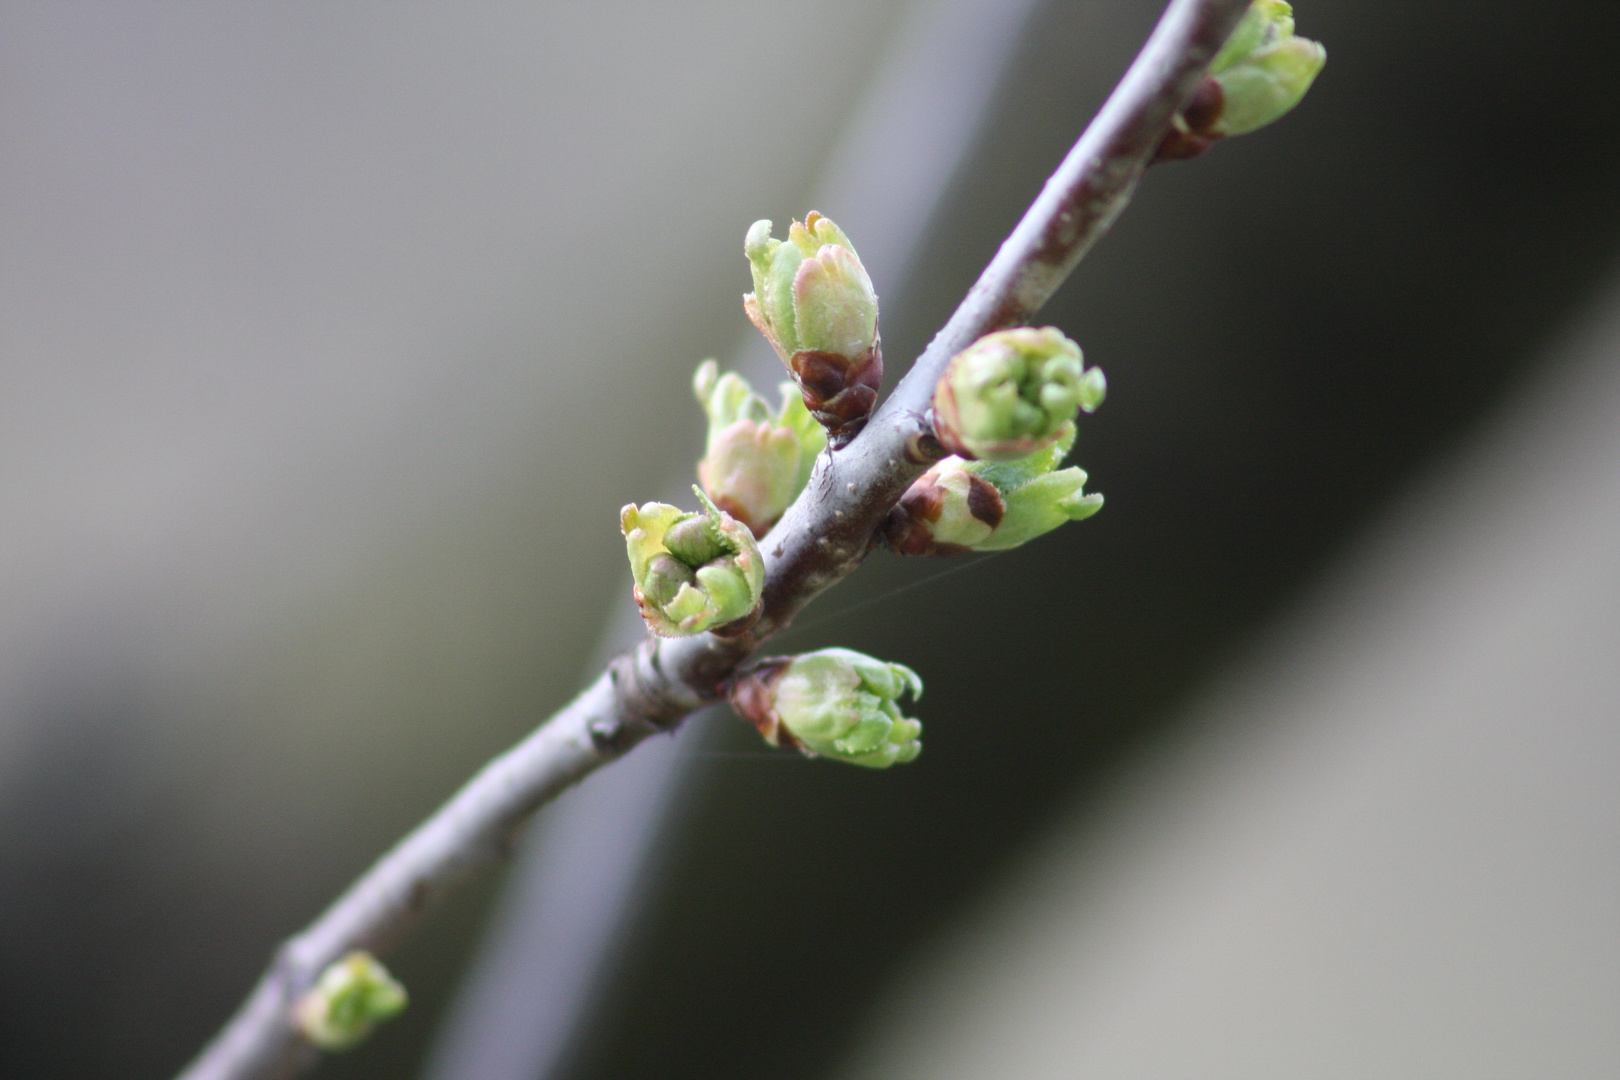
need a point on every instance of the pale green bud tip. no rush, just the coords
(1265, 23)
(704, 380)
(1010, 393)
(757, 460)
(695, 540)
(666, 577)
(1263, 70)
(810, 292)
(693, 572)
(1093, 388)
(837, 703)
(351, 997)
(757, 243)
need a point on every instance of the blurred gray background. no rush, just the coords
(333, 337)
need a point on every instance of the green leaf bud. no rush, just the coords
(835, 702)
(1263, 25)
(1010, 393)
(756, 462)
(1261, 72)
(696, 540)
(960, 505)
(1093, 389)
(1268, 84)
(351, 997)
(693, 572)
(946, 511)
(666, 576)
(814, 303)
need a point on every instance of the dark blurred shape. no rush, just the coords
(1379, 843)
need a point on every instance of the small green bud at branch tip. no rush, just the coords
(1261, 73)
(351, 997)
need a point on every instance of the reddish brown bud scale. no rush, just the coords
(752, 695)
(1205, 106)
(907, 529)
(1190, 132)
(984, 501)
(1181, 145)
(923, 447)
(839, 391)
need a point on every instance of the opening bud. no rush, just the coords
(837, 703)
(1263, 69)
(693, 572)
(756, 462)
(1261, 72)
(814, 303)
(351, 997)
(1010, 393)
(946, 511)
(960, 505)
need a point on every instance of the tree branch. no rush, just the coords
(821, 538)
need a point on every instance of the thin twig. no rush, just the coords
(821, 539)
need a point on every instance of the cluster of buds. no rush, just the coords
(961, 505)
(351, 997)
(835, 702)
(755, 463)
(1004, 407)
(1261, 72)
(693, 572)
(814, 303)
(1012, 393)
